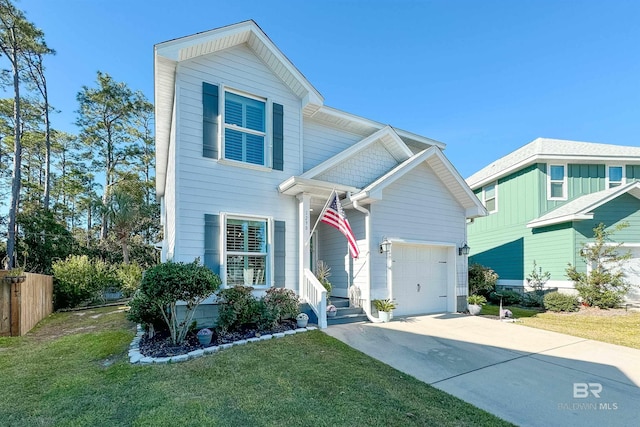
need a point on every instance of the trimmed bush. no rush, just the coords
(142, 310)
(482, 280)
(238, 308)
(284, 303)
(508, 297)
(166, 284)
(555, 301)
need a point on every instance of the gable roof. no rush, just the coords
(582, 207)
(168, 54)
(444, 170)
(543, 149)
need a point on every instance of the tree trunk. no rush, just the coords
(17, 161)
(47, 156)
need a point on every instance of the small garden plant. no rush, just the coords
(385, 305)
(165, 284)
(605, 285)
(555, 301)
(476, 300)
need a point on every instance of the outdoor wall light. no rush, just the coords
(464, 250)
(385, 246)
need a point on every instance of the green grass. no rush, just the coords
(494, 310)
(73, 371)
(621, 328)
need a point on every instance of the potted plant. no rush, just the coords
(302, 319)
(204, 336)
(331, 310)
(384, 307)
(15, 275)
(475, 304)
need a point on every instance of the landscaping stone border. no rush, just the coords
(137, 358)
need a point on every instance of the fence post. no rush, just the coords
(16, 307)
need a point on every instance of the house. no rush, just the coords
(545, 199)
(247, 155)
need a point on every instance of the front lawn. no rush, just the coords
(73, 370)
(612, 326)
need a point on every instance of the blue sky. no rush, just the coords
(484, 77)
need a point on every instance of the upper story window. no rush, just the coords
(246, 251)
(490, 197)
(615, 176)
(244, 129)
(557, 182)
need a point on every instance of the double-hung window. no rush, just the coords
(245, 129)
(557, 182)
(246, 251)
(490, 197)
(615, 176)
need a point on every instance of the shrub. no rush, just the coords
(142, 310)
(555, 301)
(605, 285)
(533, 299)
(284, 303)
(77, 280)
(238, 307)
(166, 284)
(482, 280)
(129, 277)
(508, 297)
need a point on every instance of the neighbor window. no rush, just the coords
(244, 128)
(557, 188)
(490, 199)
(615, 176)
(246, 251)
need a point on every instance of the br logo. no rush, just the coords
(582, 390)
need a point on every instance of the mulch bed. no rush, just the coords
(161, 346)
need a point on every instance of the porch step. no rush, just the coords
(345, 313)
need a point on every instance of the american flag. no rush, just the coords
(335, 217)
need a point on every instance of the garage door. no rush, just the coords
(420, 279)
(631, 269)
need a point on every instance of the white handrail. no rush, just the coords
(316, 296)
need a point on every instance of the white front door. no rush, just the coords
(421, 276)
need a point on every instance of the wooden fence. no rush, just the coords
(24, 304)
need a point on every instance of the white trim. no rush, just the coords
(495, 196)
(623, 180)
(269, 262)
(560, 220)
(564, 181)
(452, 252)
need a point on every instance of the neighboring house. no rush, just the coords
(545, 199)
(247, 154)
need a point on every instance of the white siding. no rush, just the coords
(323, 142)
(206, 186)
(418, 207)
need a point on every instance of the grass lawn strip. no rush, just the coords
(81, 376)
(618, 326)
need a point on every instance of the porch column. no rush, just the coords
(304, 234)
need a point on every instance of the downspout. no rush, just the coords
(367, 232)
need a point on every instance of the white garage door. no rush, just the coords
(420, 279)
(631, 270)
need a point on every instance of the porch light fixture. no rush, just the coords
(385, 246)
(464, 250)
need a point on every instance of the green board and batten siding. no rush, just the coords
(503, 242)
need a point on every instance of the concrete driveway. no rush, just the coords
(527, 376)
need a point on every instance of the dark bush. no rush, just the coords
(238, 307)
(142, 310)
(166, 284)
(555, 301)
(533, 299)
(482, 280)
(283, 302)
(508, 297)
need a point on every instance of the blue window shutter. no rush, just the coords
(209, 120)
(279, 254)
(278, 137)
(212, 242)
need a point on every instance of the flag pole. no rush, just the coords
(320, 217)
